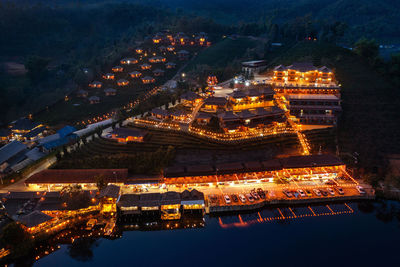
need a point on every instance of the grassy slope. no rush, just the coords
(369, 121)
(222, 53)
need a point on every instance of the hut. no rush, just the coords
(158, 72)
(162, 48)
(135, 74)
(145, 66)
(170, 48)
(157, 59)
(95, 84)
(128, 61)
(183, 55)
(124, 135)
(108, 76)
(148, 79)
(117, 69)
(170, 65)
(139, 50)
(82, 94)
(110, 92)
(122, 82)
(94, 100)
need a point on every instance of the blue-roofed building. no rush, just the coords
(11, 154)
(67, 130)
(59, 142)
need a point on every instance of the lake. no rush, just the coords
(365, 233)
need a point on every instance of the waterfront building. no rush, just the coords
(108, 199)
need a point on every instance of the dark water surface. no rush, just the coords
(368, 235)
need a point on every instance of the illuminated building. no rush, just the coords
(314, 109)
(124, 135)
(108, 76)
(135, 74)
(251, 98)
(117, 69)
(253, 67)
(212, 104)
(95, 84)
(145, 66)
(129, 61)
(82, 94)
(108, 198)
(122, 82)
(170, 65)
(148, 79)
(157, 59)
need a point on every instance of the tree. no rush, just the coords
(37, 67)
(16, 239)
(367, 49)
(100, 182)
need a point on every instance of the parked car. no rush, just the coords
(227, 199)
(254, 195)
(250, 197)
(242, 198)
(340, 190)
(317, 192)
(234, 198)
(301, 192)
(360, 189)
(331, 192)
(308, 193)
(323, 192)
(261, 193)
(287, 193)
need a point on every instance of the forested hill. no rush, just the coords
(366, 18)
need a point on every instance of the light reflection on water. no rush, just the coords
(277, 236)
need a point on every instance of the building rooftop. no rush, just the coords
(71, 176)
(302, 66)
(10, 150)
(218, 101)
(34, 218)
(190, 96)
(110, 190)
(312, 97)
(23, 124)
(159, 111)
(126, 132)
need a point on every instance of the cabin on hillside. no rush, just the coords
(135, 74)
(148, 80)
(82, 94)
(95, 84)
(122, 82)
(110, 92)
(170, 65)
(117, 69)
(128, 61)
(94, 100)
(183, 55)
(124, 135)
(158, 72)
(109, 76)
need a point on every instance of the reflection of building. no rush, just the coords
(314, 109)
